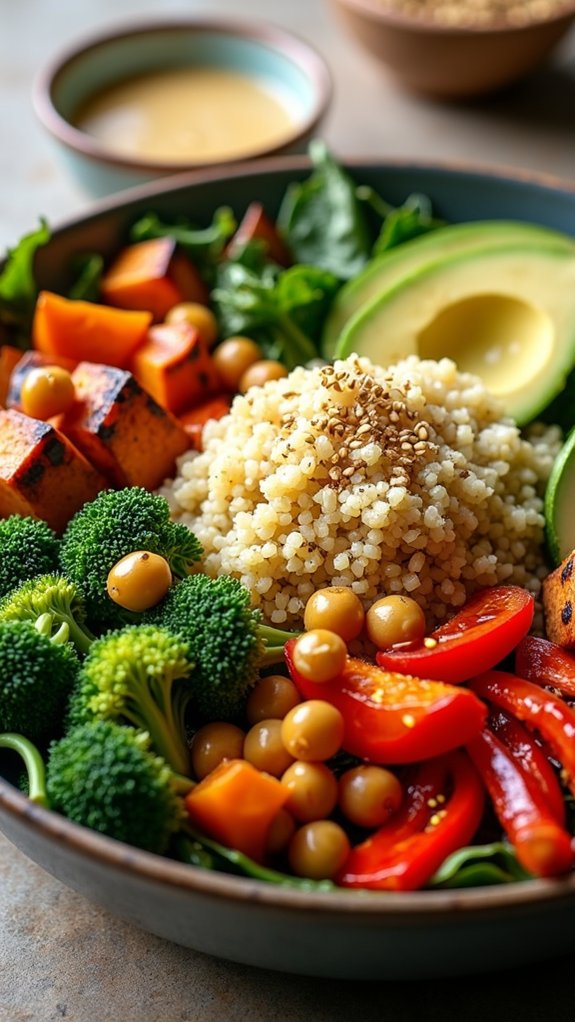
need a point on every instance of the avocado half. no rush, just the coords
(391, 267)
(505, 313)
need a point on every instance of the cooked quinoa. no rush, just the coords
(399, 480)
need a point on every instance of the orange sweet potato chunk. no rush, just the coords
(120, 428)
(41, 472)
(152, 275)
(175, 366)
(236, 805)
(85, 330)
(194, 419)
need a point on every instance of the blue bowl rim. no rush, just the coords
(297, 50)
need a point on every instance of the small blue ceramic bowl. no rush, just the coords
(262, 54)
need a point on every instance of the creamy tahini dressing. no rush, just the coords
(186, 115)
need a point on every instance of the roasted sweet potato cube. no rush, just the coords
(153, 275)
(194, 419)
(41, 472)
(85, 330)
(175, 366)
(120, 428)
(255, 225)
(559, 603)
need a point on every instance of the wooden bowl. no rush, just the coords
(452, 62)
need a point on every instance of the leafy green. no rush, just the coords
(198, 850)
(18, 289)
(399, 223)
(322, 219)
(88, 274)
(282, 310)
(203, 245)
(480, 866)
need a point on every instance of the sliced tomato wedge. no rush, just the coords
(393, 718)
(485, 630)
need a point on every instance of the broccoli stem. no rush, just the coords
(274, 640)
(44, 625)
(143, 712)
(34, 765)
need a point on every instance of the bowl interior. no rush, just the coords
(372, 935)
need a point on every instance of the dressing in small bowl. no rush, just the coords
(154, 99)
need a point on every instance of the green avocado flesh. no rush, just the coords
(388, 269)
(560, 502)
(506, 314)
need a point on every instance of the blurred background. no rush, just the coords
(529, 126)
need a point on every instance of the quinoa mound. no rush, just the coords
(399, 480)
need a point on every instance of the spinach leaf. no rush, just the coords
(198, 850)
(322, 220)
(282, 310)
(204, 245)
(88, 274)
(399, 223)
(480, 866)
(18, 290)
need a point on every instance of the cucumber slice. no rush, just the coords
(560, 502)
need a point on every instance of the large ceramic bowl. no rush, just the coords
(339, 934)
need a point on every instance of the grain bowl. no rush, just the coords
(304, 927)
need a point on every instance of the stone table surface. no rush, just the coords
(59, 956)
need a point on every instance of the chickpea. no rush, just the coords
(272, 696)
(393, 620)
(47, 391)
(318, 850)
(197, 315)
(139, 580)
(336, 608)
(264, 749)
(312, 790)
(280, 833)
(319, 655)
(369, 795)
(313, 730)
(233, 357)
(213, 744)
(260, 372)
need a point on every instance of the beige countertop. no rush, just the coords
(59, 956)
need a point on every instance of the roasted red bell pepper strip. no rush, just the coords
(539, 708)
(532, 760)
(393, 718)
(543, 846)
(485, 630)
(546, 663)
(396, 858)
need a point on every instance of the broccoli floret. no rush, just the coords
(28, 547)
(54, 595)
(227, 641)
(139, 675)
(105, 777)
(37, 674)
(117, 523)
